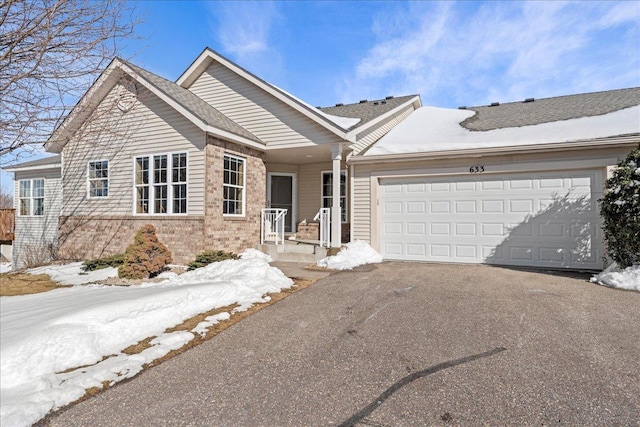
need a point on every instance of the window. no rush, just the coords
(161, 184)
(99, 179)
(233, 186)
(31, 193)
(327, 191)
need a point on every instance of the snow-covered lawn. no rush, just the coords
(46, 337)
(72, 274)
(614, 277)
(352, 255)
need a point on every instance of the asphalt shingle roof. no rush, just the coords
(53, 160)
(516, 114)
(197, 106)
(366, 111)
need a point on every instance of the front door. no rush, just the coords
(281, 194)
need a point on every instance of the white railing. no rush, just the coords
(324, 215)
(272, 226)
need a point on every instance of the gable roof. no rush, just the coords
(344, 125)
(516, 114)
(367, 111)
(183, 101)
(46, 163)
(197, 106)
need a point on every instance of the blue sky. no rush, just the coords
(450, 53)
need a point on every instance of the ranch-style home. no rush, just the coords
(221, 159)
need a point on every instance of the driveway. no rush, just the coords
(403, 344)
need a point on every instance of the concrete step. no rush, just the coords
(294, 252)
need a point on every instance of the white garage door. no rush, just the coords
(545, 219)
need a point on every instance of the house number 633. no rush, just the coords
(476, 169)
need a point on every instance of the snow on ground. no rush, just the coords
(72, 274)
(629, 278)
(44, 336)
(431, 129)
(352, 255)
(5, 267)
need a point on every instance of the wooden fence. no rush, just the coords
(7, 225)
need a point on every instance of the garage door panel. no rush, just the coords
(439, 206)
(549, 219)
(465, 207)
(440, 251)
(492, 206)
(393, 207)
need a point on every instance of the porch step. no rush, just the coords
(294, 252)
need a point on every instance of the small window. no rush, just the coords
(233, 185)
(99, 179)
(327, 192)
(31, 194)
(161, 184)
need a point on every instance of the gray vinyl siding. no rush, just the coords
(370, 136)
(150, 127)
(361, 221)
(310, 189)
(37, 236)
(268, 118)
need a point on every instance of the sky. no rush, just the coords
(450, 53)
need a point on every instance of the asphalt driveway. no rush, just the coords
(401, 344)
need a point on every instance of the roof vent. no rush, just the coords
(389, 97)
(339, 105)
(529, 100)
(383, 102)
(376, 103)
(494, 104)
(463, 107)
(362, 101)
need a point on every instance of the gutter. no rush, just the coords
(611, 142)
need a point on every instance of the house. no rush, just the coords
(200, 159)
(222, 159)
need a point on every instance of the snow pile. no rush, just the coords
(629, 278)
(45, 336)
(5, 267)
(352, 255)
(72, 274)
(432, 129)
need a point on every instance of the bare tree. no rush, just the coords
(6, 199)
(51, 51)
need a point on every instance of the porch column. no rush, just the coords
(336, 221)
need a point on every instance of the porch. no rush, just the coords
(307, 202)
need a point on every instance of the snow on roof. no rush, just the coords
(432, 129)
(343, 122)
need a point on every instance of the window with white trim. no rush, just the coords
(98, 176)
(233, 185)
(327, 192)
(31, 195)
(160, 184)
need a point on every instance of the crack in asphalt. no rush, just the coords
(367, 410)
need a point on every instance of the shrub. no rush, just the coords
(620, 210)
(207, 257)
(145, 257)
(100, 263)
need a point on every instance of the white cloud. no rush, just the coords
(473, 53)
(244, 30)
(243, 27)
